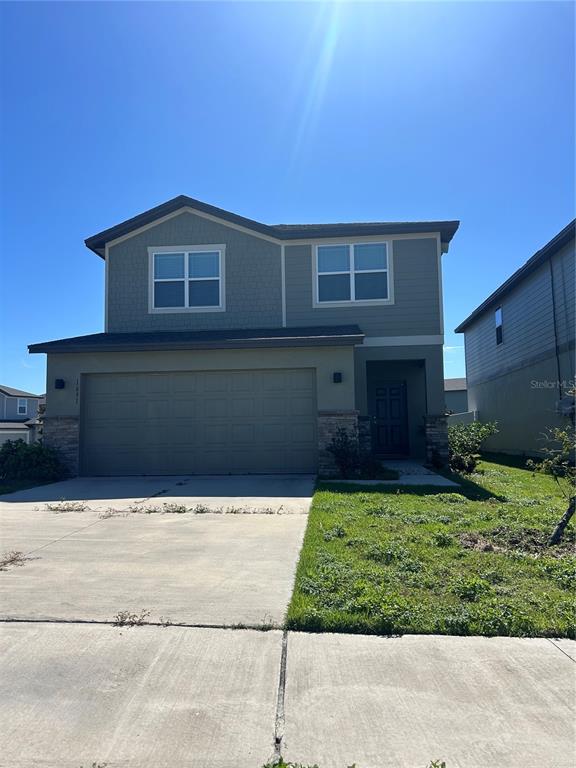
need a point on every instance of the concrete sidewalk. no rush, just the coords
(154, 697)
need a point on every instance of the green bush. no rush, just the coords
(20, 461)
(464, 441)
(346, 454)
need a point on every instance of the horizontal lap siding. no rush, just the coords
(528, 322)
(527, 329)
(416, 309)
(252, 287)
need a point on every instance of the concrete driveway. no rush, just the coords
(76, 691)
(191, 550)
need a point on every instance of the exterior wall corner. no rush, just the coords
(436, 430)
(63, 434)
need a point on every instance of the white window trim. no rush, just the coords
(352, 302)
(220, 248)
(25, 411)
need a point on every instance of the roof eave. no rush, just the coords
(97, 243)
(160, 346)
(536, 260)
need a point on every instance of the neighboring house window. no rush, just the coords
(190, 279)
(347, 273)
(498, 321)
(22, 407)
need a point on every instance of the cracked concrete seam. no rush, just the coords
(280, 719)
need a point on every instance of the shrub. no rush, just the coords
(19, 461)
(464, 441)
(346, 454)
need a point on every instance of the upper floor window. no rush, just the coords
(189, 279)
(347, 273)
(22, 406)
(498, 321)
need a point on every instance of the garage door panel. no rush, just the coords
(302, 406)
(215, 422)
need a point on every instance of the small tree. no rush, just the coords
(558, 463)
(464, 442)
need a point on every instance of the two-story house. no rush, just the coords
(18, 413)
(520, 349)
(232, 346)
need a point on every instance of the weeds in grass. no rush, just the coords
(129, 619)
(442, 539)
(67, 506)
(420, 561)
(336, 532)
(12, 559)
(470, 589)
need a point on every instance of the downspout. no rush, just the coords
(557, 353)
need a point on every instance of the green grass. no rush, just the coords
(468, 561)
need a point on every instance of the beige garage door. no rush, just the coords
(207, 422)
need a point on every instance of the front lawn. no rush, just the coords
(463, 561)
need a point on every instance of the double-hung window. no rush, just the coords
(187, 279)
(353, 273)
(22, 406)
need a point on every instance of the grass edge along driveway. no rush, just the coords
(463, 561)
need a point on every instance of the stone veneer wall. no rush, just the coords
(436, 439)
(365, 434)
(329, 422)
(63, 434)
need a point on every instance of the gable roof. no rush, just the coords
(454, 385)
(280, 232)
(559, 241)
(11, 392)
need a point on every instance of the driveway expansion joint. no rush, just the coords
(561, 650)
(280, 722)
(112, 623)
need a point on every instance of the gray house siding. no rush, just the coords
(9, 408)
(456, 400)
(252, 279)
(416, 309)
(516, 383)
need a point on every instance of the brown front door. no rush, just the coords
(391, 419)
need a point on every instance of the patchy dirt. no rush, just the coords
(478, 542)
(527, 540)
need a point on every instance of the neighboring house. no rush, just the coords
(232, 346)
(18, 414)
(520, 349)
(456, 395)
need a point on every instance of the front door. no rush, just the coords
(391, 419)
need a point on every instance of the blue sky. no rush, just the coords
(283, 113)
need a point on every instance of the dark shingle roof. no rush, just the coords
(562, 238)
(11, 392)
(97, 242)
(339, 335)
(454, 385)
